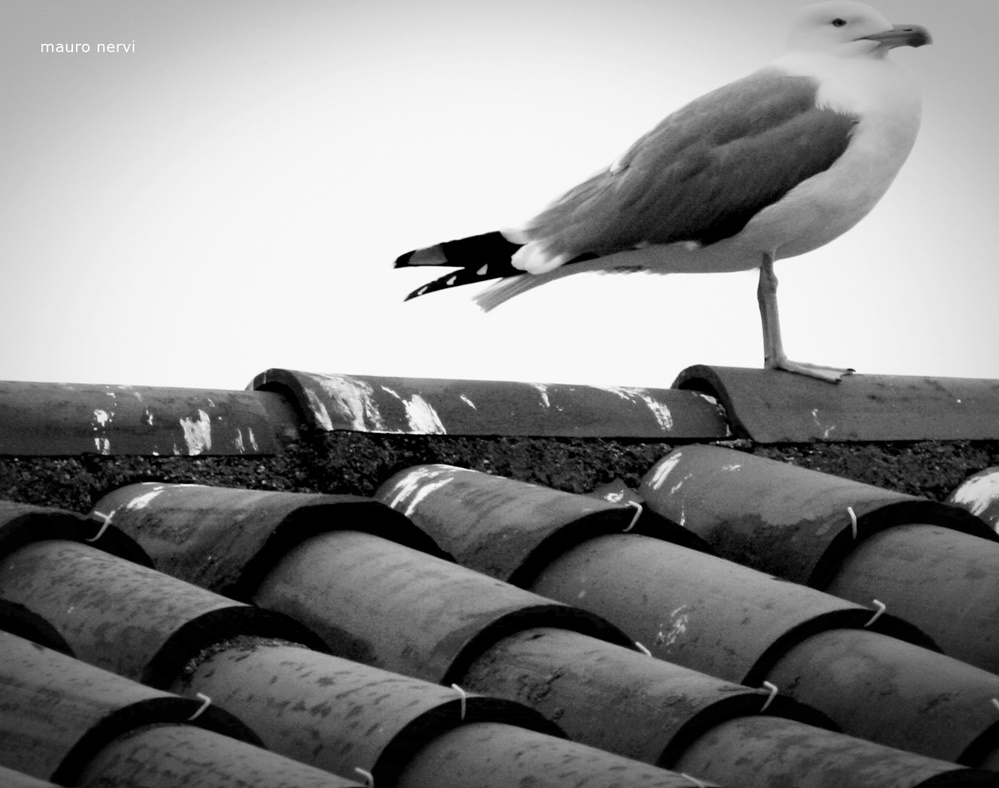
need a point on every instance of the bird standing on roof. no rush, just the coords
(771, 166)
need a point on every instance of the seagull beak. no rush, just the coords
(902, 36)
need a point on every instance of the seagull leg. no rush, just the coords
(773, 346)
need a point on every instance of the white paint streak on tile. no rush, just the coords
(979, 492)
(468, 402)
(675, 629)
(101, 419)
(350, 399)
(423, 492)
(663, 469)
(142, 501)
(422, 417)
(318, 408)
(238, 441)
(827, 429)
(197, 434)
(253, 439)
(354, 401)
(624, 392)
(418, 484)
(543, 390)
(659, 410)
(732, 466)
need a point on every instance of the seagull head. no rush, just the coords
(850, 29)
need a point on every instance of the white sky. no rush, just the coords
(229, 196)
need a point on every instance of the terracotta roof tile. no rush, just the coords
(507, 528)
(126, 618)
(408, 611)
(652, 710)
(224, 538)
(490, 756)
(340, 715)
(762, 747)
(951, 717)
(369, 403)
(778, 408)
(59, 712)
(793, 522)
(67, 419)
(474, 619)
(181, 756)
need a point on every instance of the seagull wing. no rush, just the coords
(702, 173)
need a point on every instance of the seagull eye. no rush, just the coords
(838, 22)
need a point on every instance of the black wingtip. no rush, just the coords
(427, 288)
(478, 258)
(403, 260)
(428, 255)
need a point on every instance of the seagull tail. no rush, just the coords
(510, 287)
(477, 258)
(507, 288)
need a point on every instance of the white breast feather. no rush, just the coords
(886, 100)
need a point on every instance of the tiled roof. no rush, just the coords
(747, 579)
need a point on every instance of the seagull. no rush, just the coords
(771, 166)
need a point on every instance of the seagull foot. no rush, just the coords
(828, 374)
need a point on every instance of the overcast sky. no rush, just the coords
(226, 192)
